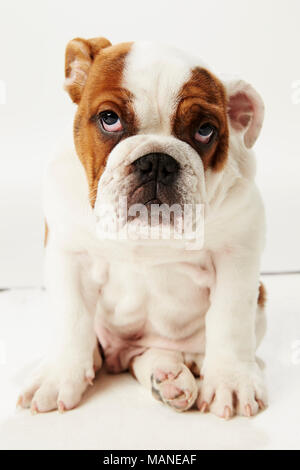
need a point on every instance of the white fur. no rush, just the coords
(163, 296)
(155, 73)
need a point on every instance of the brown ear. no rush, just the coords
(80, 54)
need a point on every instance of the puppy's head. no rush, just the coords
(153, 124)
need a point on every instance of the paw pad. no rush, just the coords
(178, 391)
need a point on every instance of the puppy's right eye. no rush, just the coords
(110, 121)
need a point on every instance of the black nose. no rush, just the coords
(159, 166)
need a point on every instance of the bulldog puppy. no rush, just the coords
(156, 128)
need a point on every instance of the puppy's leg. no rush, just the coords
(62, 379)
(233, 381)
(165, 374)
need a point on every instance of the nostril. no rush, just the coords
(170, 166)
(144, 164)
(165, 172)
(168, 169)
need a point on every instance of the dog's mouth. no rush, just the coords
(152, 211)
(155, 175)
(153, 192)
(153, 201)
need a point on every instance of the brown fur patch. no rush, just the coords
(262, 295)
(102, 92)
(46, 233)
(203, 100)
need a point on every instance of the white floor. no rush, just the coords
(117, 413)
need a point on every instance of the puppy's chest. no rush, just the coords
(168, 300)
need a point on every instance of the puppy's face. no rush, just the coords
(152, 122)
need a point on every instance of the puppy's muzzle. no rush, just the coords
(156, 175)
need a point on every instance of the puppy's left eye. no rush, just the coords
(205, 133)
(110, 121)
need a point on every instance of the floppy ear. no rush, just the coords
(80, 54)
(245, 110)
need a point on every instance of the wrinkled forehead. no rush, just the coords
(155, 75)
(154, 78)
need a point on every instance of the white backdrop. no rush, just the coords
(257, 39)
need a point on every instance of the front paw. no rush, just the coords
(232, 387)
(58, 385)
